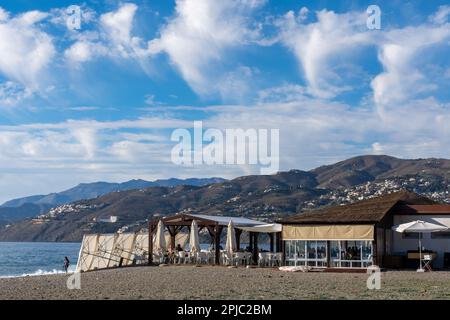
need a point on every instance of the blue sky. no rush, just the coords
(100, 102)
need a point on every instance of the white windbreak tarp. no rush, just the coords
(100, 251)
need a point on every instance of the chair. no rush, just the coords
(262, 259)
(191, 257)
(181, 256)
(427, 258)
(240, 258)
(201, 257)
(210, 256)
(228, 258)
(276, 259)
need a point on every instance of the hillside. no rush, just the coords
(261, 197)
(29, 207)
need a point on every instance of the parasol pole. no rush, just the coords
(420, 250)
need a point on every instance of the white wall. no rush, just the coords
(401, 245)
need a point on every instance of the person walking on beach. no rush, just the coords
(66, 264)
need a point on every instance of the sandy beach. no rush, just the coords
(190, 282)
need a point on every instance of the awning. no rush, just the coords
(328, 232)
(265, 228)
(224, 220)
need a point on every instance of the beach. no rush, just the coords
(209, 282)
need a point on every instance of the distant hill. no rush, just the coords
(369, 168)
(264, 197)
(32, 206)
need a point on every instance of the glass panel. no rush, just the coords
(335, 254)
(351, 254)
(321, 249)
(301, 249)
(311, 249)
(366, 250)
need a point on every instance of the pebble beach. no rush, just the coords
(209, 282)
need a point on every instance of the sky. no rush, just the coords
(100, 100)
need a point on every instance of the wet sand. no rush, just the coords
(190, 282)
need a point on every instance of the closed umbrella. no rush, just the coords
(419, 227)
(160, 241)
(230, 246)
(194, 242)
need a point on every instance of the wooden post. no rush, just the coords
(375, 247)
(271, 236)
(217, 243)
(278, 242)
(255, 251)
(237, 233)
(173, 230)
(150, 243)
(250, 240)
(328, 254)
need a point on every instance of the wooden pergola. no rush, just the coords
(174, 224)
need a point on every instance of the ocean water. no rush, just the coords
(36, 258)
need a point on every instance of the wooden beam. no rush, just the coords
(278, 242)
(173, 231)
(255, 244)
(217, 243)
(150, 243)
(328, 254)
(375, 247)
(272, 246)
(237, 233)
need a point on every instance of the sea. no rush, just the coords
(18, 259)
(36, 258)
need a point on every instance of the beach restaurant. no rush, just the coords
(370, 232)
(233, 254)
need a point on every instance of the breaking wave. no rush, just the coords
(40, 272)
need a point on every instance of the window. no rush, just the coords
(351, 254)
(410, 235)
(343, 254)
(306, 252)
(440, 235)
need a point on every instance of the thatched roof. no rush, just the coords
(366, 211)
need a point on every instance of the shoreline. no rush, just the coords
(222, 283)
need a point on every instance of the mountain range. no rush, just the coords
(263, 197)
(32, 206)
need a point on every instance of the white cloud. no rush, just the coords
(84, 50)
(25, 50)
(403, 55)
(334, 40)
(114, 39)
(441, 16)
(312, 132)
(319, 45)
(11, 93)
(200, 34)
(118, 24)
